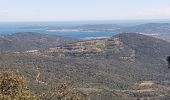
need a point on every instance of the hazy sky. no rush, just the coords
(79, 10)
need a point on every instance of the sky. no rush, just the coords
(83, 10)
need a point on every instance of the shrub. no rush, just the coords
(13, 87)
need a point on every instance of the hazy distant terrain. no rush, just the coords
(159, 30)
(149, 28)
(79, 31)
(125, 66)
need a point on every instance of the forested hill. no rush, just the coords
(125, 66)
(28, 40)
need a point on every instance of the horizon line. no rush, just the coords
(154, 19)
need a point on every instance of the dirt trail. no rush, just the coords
(38, 76)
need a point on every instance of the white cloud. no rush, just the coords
(155, 13)
(4, 11)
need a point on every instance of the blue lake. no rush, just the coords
(10, 28)
(83, 34)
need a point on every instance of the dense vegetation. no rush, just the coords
(125, 67)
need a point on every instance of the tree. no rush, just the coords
(13, 87)
(168, 60)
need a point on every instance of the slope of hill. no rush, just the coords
(146, 46)
(158, 30)
(28, 41)
(151, 28)
(126, 66)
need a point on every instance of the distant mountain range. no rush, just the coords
(159, 30)
(142, 28)
(126, 66)
(150, 28)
